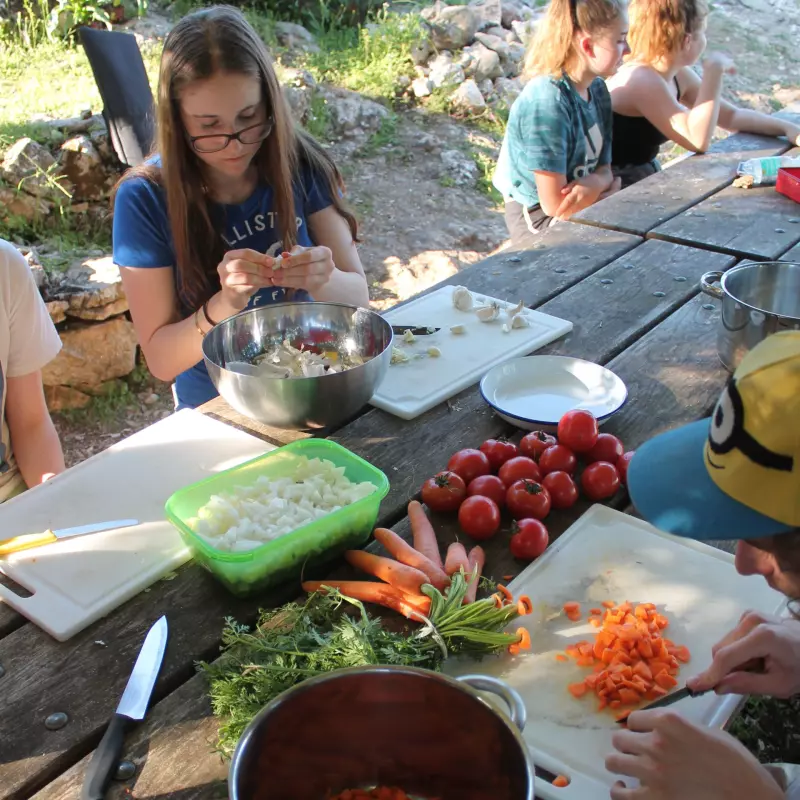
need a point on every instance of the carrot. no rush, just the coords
(456, 558)
(507, 596)
(507, 577)
(571, 607)
(608, 603)
(406, 554)
(401, 576)
(424, 535)
(524, 605)
(409, 605)
(560, 781)
(561, 657)
(578, 689)
(475, 562)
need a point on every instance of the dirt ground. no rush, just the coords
(418, 228)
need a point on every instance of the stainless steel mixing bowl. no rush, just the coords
(300, 403)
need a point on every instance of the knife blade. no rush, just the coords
(28, 540)
(416, 330)
(132, 707)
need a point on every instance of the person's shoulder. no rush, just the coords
(638, 76)
(140, 190)
(13, 264)
(599, 89)
(543, 89)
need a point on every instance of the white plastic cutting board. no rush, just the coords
(76, 581)
(607, 555)
(409, 389)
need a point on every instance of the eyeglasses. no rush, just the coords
(215, 142)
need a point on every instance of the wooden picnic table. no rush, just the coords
(636, 307)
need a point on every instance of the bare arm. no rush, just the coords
(550, 188)
(34, 440)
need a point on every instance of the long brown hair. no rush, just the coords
(202, 44)
(552, 50)
(658, 28)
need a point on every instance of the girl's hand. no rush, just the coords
(308, 268)
(616, 185)
(676, 760)
(580, 194)
(241, 274)
(775, 641)
(720, 62)
(792, 133)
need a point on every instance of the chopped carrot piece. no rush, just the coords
(666, 681)
(560, 781)
(525, 602)
(615, 703)
(595, 622)
(507, 577)
(560, 657)
(608, 603)
(571, 607)
(598, 611)
(578, 689)
(585, 661)
(682, 654)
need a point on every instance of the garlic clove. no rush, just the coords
(488, 313)
(434, 352)
(520, 322)
(398, 356)
(462, 298)
(409, 337)
(512, 311)
(458, 329)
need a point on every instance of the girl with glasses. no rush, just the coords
(657, 97)
(234, 184)
(556, 153)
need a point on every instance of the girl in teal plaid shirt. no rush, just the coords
(556, 153)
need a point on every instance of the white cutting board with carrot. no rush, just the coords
(413, 387)
(77, 581)
(607, 555)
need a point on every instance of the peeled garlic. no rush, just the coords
(517, 309)
(434, 352)
(520, 322)
(462, 298)
(409, 337)
(398, 356)
(458, 329)
(488, 313)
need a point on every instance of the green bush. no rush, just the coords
(317, 15)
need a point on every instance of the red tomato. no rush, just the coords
(498, 451)
(469, 464)
(516, 469)
(558, 458)
(563, 491)
(600, 480)
(606, 448)
(530, 540)
(622, 465)
(527, 498)
(444, 492)
(479, 517)
(535, 443)
(578, 430)
(488, 486)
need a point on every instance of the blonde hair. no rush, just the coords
(658, 28)
(552, 50)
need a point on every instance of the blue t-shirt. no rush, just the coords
(142, 238)
(551, 128)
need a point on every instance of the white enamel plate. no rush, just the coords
(535, 392)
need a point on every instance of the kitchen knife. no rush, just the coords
(132, 706)
(399, 330)
(26, 541)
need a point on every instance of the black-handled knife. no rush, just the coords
(132, 707)
(416, 330)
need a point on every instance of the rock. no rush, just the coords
(489, 13)
(402, 82)
(65, 398)
(30, 166)
(93, 289)
(93, 354)
(486, 63)
(37, 270)
(516, 55)
(500, 46)
(453, 27)
(103, 146)
(468, 97)
(100, 313)
(82, 165)
(295, 37)
(507, 90)
(422, 87)
(150, 399)
(421, 51)
(444, 72)
(524, 30)
(299, 88)
(513, 11)
(502, 33)
(72, 125)
(56, 309)
(19, 204)
(461, 169)
(350, 114)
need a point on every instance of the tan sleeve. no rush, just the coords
(34, 340)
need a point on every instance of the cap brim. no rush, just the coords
(670, 487)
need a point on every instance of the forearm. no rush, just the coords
(603, 178)
(748, 121)
(703, 118)
(37, 450)
(345, 287)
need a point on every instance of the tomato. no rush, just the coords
(444, 492)
(563, 491)
(558, 458)
(578, 430)
(600, 480)
(622, 465)
(488, 486)
(527, 498)
(498, 451)
(535, 443)
(606, 448)
(469, 464)
(479, 517)
(530, 539)
(516, 469)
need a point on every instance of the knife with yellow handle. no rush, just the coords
(29, 540)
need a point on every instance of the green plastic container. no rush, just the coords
(282, 559)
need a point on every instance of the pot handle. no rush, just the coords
(707, 284)
(483, 683)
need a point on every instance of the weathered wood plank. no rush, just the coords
(651, 202)
(793, 254)
(752, 223)
(220, 410)
(410, 451)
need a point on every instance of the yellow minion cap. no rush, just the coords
(753, 449)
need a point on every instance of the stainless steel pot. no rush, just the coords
(426, 733)
(758, 299)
